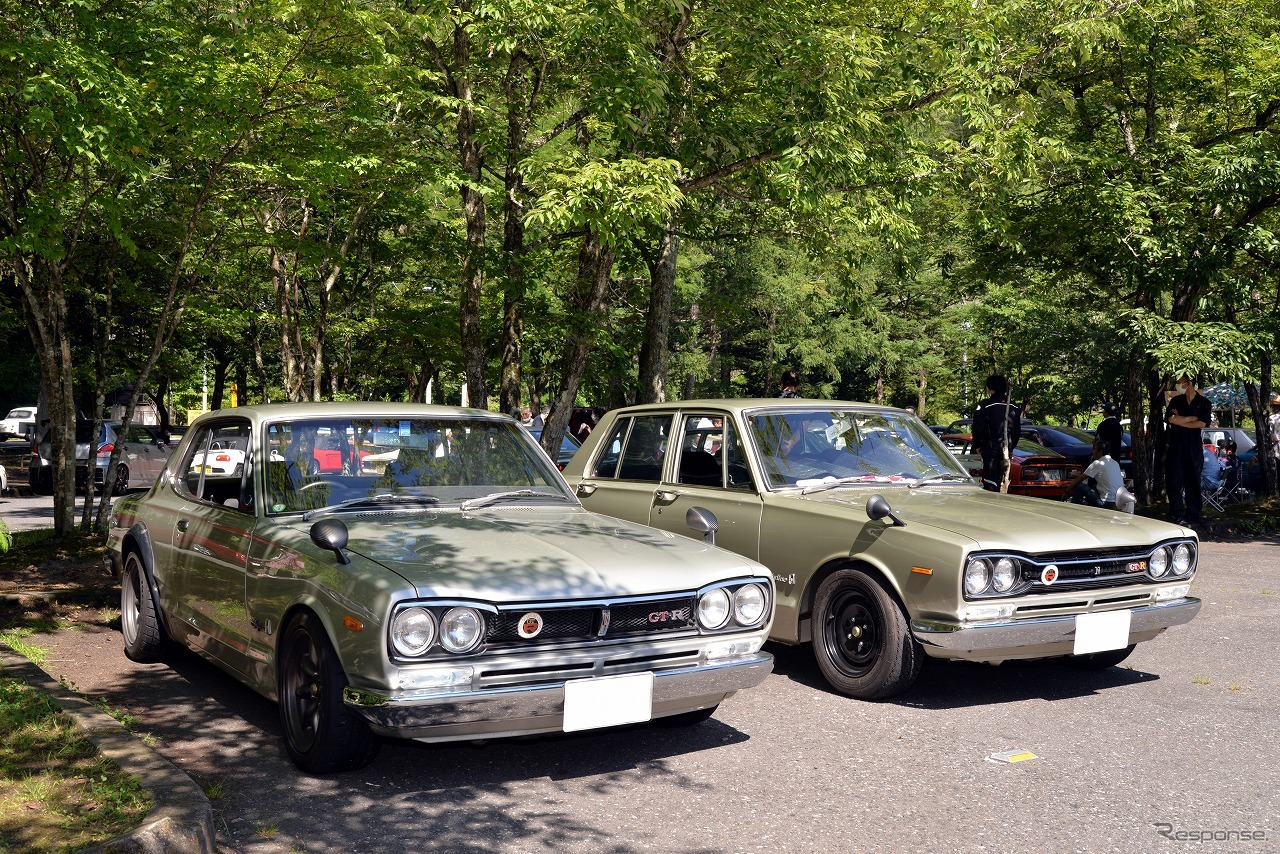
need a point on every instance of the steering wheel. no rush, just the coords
(316, 483)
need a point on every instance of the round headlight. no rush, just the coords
(748, 604)
(713, 609)
(1158, 565)
(977, 575)
(1182, 559)
(413, 631)
(1006, 573)
(460, 629)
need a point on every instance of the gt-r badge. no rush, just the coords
(1049, 574)
(530, 625)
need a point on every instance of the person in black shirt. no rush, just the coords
(997, 426)
(790, 383)
(1187, 414)
(1110, 430)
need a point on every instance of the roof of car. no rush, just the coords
(745, 403)
(351, 409)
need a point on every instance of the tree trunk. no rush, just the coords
(471, 158)
(520, 100)
(595, 262)
(654, 354)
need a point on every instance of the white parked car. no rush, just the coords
(20, 423)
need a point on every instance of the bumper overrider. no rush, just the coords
(1039, 637)
(477, 711)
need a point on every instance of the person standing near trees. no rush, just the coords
(1110, 430)
(1187, 414)
(997, 426)
(790, 382)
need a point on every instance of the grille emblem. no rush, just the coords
(1049, 574)
(530, 625)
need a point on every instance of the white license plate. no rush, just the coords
(1051, 474)
(1101, 632)
(608, 701)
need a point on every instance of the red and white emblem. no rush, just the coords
(530, 625)
(1049, 574)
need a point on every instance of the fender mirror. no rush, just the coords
(878, 508)
(331, 535)
(704, 522)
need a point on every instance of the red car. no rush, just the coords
(1035, 470)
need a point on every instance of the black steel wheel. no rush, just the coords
(1100, 660)
(320, 734)
(861, 638)
(144, 635)
(121, 484)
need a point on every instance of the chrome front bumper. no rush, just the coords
(999, 640)
(453, 714)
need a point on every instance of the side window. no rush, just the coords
(611, 450)
(736, 470)
(645, 449)
(218, 466)
(701, 463)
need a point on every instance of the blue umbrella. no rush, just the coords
(1227, 396)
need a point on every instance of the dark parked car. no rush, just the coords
(568, 446)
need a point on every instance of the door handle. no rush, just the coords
(183, 524)
(586, 488)
(665, 495)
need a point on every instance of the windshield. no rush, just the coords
(362, 463)
(803, 447)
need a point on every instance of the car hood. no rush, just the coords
(1016, 522)
(513, 553)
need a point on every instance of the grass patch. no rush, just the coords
(56, 792)
(16, 639)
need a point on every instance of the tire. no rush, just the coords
(121, 484)
(1100, 660)
(685, 719)
(144, 635)
(861, 638)
(320, 734)
(40, 478)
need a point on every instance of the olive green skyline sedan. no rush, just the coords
(424, 572)
(882, 547)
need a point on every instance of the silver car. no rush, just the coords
(449, 588)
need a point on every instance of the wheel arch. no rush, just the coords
(304, 605)
(138, 540)
(881, 575)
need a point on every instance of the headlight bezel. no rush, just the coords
(1178, 556)
(458, 614)
(736, 621)
(437, 652)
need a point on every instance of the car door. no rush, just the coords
(147, 459)
(712, 472)
(628, 467)
(211, 540)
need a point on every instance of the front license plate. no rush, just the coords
(608, 701)
(1101, 632)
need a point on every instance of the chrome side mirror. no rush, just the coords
(704, 522)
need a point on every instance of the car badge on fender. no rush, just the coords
(1049, 574)
(530, 625)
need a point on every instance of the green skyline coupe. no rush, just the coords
(424, 572)
(883, 549)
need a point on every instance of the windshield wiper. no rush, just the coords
(482, 500)
(940, 478)
(831, 483)
(371, 501)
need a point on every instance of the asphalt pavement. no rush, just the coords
(1174, 751)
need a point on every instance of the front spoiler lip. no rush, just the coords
(444, 715)
(1013, 635)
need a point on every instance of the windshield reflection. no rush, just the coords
(363, 463)
(804, 447)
